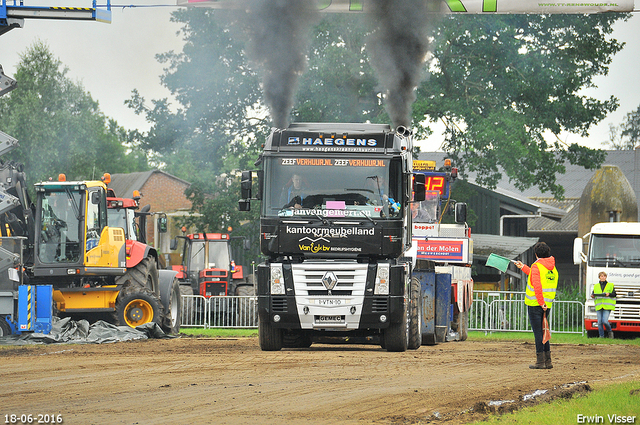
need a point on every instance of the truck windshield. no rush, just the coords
(60, 227)
(615, 250)
(332, 186)
(124, 218)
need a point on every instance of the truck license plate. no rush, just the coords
(329, 319)
(329, 302)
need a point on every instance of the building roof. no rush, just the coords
(505, 246)
(124, 184)
(567, 224)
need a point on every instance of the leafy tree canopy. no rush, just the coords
(626, 136)
(503, 84)
(59, 126)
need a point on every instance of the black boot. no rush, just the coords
(547, 360)
(539, 362)
(610, 334)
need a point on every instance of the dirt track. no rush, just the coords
(230, 381)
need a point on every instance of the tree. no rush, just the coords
(59, 126)
(626, 136)
(501, 83)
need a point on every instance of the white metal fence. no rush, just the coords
(219, 312)
(492, 311)
(500, 311)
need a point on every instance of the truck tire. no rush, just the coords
(136, 306)
(5, 329)
(270, 338)
(396, 336)
(415, 316)
(172, 303)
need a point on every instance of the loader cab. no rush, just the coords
(72, 237)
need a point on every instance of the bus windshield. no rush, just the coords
(331, 187)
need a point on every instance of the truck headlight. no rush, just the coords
(382, 280)
(277, 280)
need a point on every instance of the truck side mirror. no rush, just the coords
(419, 191)
(244, 205)
(577, 251)
(95, 198)
(245, 185)
(162, 224)
(246, 244)
(173, 244)
(461, 212)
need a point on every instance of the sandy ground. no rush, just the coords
(230, 381)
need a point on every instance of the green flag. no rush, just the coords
(500, 263)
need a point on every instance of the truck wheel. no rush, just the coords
(5, 329)
(172, 303)
(463, 327)
(270, 338)
(247, 310)
(415, 315)
(136, 306)
(396, 336)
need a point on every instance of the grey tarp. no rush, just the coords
(80, 332)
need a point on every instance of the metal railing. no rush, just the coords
(492, 311)
(219, 312)
(501, 311)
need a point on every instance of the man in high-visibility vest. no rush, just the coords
(604, 297)
(539, 296)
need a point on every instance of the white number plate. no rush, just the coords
(324, 301)
(329, 319)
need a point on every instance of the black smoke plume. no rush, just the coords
(398, 47)
(278, 41)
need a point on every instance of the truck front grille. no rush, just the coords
(278, 304)
(379, 305)
(308, 278)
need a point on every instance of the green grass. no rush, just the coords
(219, 332)
(621, 399)
(556, 338)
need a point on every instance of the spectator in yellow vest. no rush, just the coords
(539, 296)
(604, 297)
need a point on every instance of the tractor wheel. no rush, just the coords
(270, 338)
(144, 275)
(172, 310)
(5, 329)
(136, 306)
(396, 336)
(247, 310)
(415, 315)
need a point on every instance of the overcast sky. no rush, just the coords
(110, 60)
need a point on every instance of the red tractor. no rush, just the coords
(208, 270)
(163, 290)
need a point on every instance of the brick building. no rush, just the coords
(163, 192)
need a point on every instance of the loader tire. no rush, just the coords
(415, 316)
(270, 338)
(5, 329)
(136, 306)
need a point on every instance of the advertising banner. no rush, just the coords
(308, 239)
(456, 6)
(443, 250)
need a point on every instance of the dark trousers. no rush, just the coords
(536, 314)
(603, 321)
